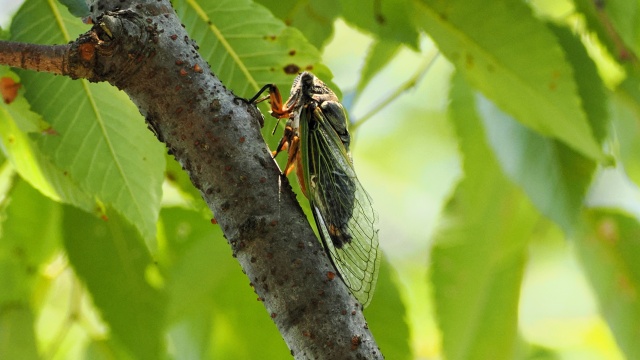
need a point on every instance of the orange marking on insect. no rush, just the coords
(293, 152)
(300, 173)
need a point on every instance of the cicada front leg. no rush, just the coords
(279, 110)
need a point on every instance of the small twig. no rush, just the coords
(411, 82)
(47, 58)
(625, 54)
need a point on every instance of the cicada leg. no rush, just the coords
(290, 141)
(300, 168)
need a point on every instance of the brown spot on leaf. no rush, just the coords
(291, 69)
(49, 131)
(607, 230)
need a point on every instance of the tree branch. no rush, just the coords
(144, 51)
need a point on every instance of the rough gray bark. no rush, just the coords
(141, 47)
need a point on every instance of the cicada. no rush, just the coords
(317, 140)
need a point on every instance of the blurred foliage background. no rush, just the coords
(499, 141)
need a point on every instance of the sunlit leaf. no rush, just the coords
(180, 179)
(622, 16)
(515, 61)
(100, 141)
(592, 15)
(17, 339)
(30, 235)
(246, 46)
(555, 177)
(627, 130)
(387, 316)
(205, 281)
(313, 18)
(17, 120)
(113, 261)
(101, 349)
(610, 252)
(389, 20)
(479, 253)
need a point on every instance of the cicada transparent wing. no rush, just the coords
(341, 207)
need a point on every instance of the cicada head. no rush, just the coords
(307, 87)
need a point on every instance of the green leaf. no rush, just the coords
(180, 179)
(623, 17)
(29, 161)
(627, 130)
(389, 20)
(19, 109)
(591, 90)
(210, 298)
(379, 55)
(515, 61)
(555, 177)
(77, 8)
(387, 315)
(610, 253)
(99, 349)
(313, 18)
(478, 257)
(30, 236)
(114, 263)
(246, 46)
(102, 143)
(593, 22)
(17, 337)
(197, 259)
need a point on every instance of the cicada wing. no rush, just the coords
(342, 209)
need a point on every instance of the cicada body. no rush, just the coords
(317, 140)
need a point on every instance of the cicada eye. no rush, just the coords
(307, 80)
